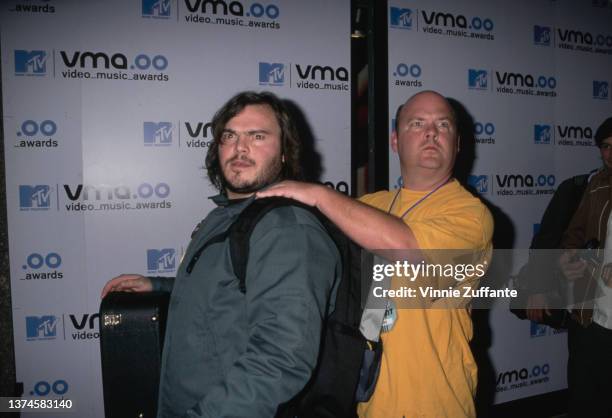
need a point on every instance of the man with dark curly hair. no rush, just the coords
(234, 354)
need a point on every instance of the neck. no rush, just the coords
(233, 195)
(424, 183)
(253, 188)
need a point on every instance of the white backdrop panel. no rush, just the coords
(106, 106)
(536, 90)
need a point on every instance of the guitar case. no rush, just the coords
(132, 327)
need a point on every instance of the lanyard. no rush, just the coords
(418, 202)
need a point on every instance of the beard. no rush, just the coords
(264, 177)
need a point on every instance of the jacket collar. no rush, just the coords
(222, 200)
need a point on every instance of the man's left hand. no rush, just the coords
(537, 307)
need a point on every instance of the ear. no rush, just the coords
(283, 158)
(394, 141)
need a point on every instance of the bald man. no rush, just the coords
(427, 367)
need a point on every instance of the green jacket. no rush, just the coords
(229, 354)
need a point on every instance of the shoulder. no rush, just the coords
(456, 190)
(291, 215)
(455, 197)
(599, 181)
(294, 230)
(289, 219)
(456, 205)
(571, 182)
(571, 186)
(379, 199)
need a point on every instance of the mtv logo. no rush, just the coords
(541, 35)
(400, 18)
(271, 74)
(477, 79)
(536, 228)
(30, 62)
(41, 327)
(156, 8)
(34, 197)
(542, 134)
(538, 330)
(480, 183)
(161, 260)
(157, 133)
(601, 90)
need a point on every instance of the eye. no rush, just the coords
(444, 124)
(259, 137)
(415, 124)
(228, 137)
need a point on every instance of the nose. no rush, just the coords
(431, 131)
(242, 143)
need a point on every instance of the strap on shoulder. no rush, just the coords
(241, 230)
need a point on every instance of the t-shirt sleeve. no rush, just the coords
(455, 227)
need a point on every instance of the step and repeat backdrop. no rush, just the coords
(107, 108)
(535, 78)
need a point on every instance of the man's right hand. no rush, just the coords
(537, 306)
(306, 193)
(572, 267)
(128, 283)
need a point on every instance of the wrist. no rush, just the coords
(321, 195)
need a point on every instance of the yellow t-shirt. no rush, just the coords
(427, 367)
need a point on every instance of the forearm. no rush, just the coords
(369, 227)
(162, 284)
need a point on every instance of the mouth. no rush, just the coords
(238, 164)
